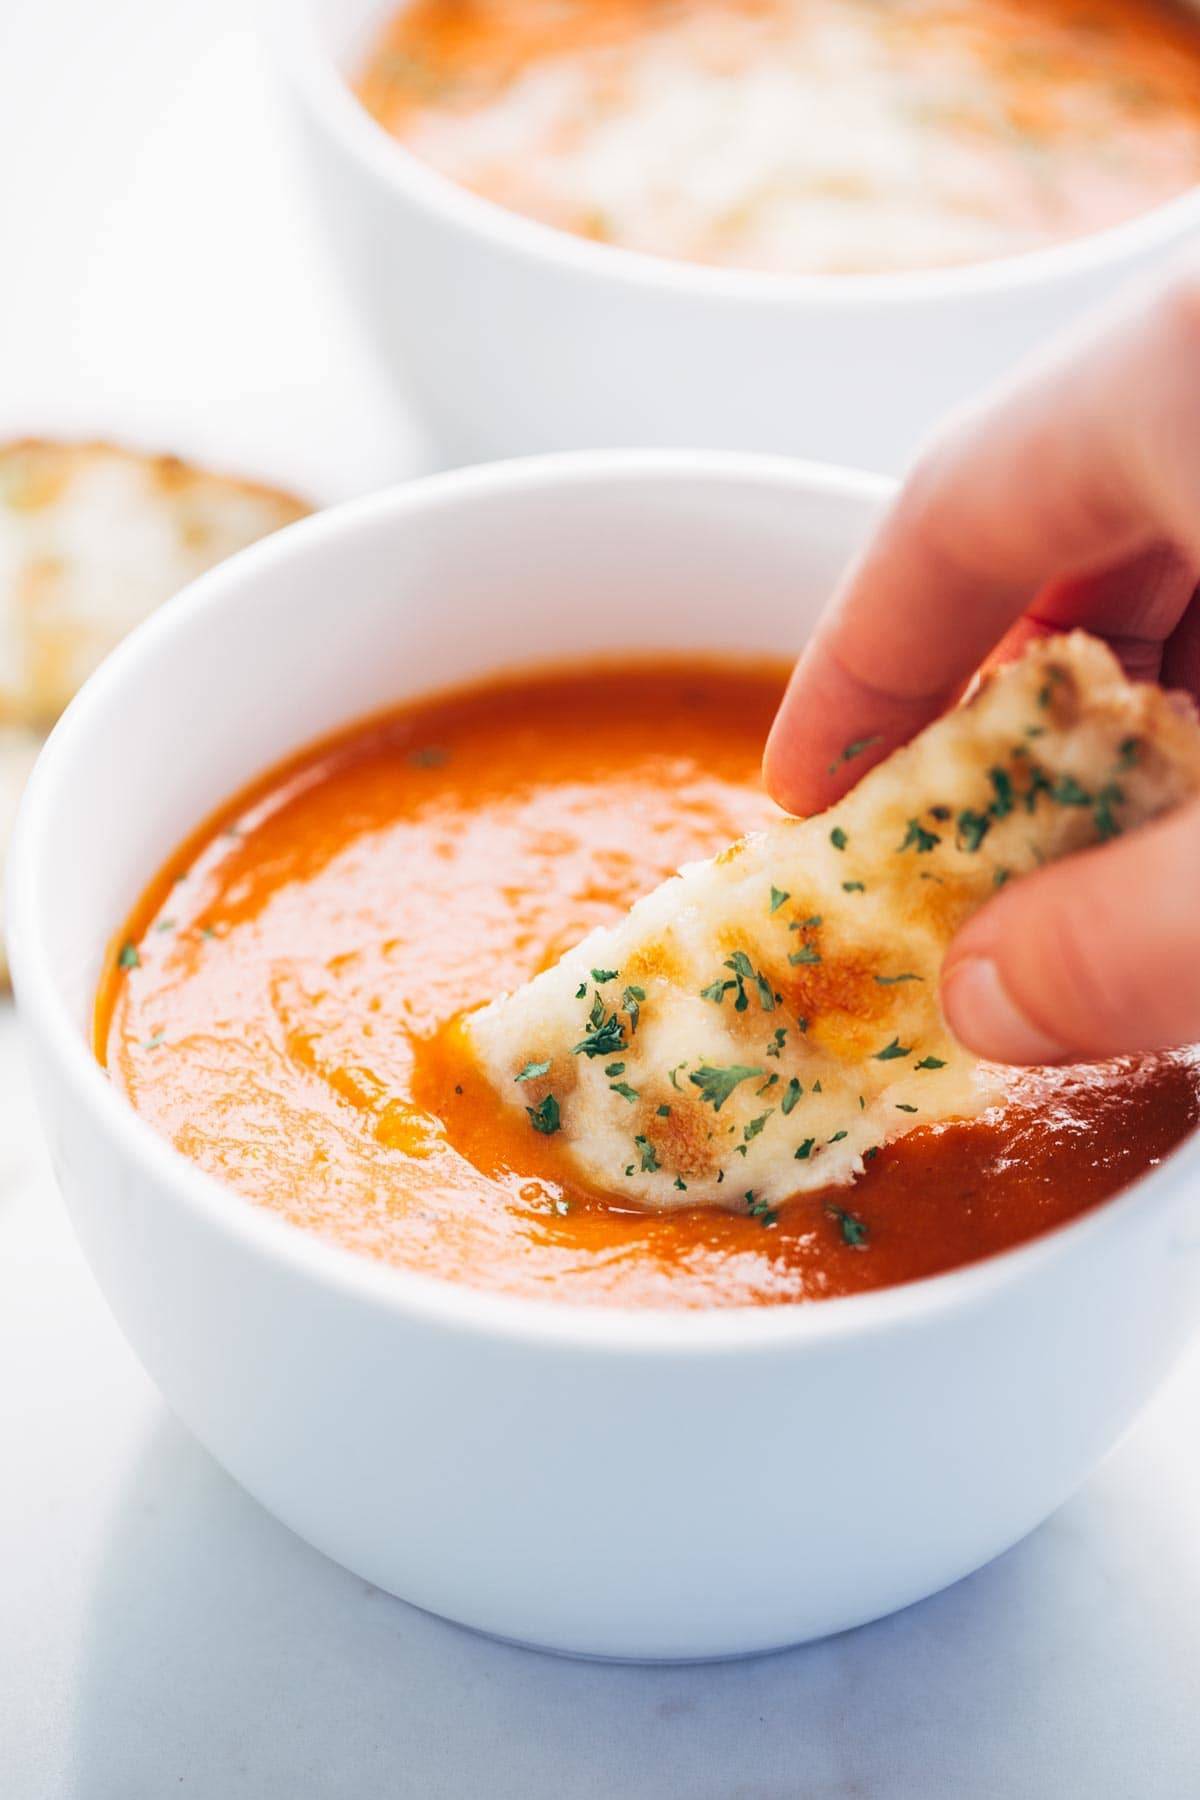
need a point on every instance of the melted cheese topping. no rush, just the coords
(762, 1023)
(808, 135)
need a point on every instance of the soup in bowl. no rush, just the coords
(465, 722)
(745, 226)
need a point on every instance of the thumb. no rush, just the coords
(1096, 956)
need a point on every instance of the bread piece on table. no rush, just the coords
(92, 539)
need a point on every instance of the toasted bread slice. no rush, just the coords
(92, 539)
(759, 1023)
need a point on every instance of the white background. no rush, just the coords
(159, 1633)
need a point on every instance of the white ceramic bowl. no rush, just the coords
(632, 1484)
(515, 338)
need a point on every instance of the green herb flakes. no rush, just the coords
(631, 1001)
(917, 838)
(931, 1062)
(760, 1209)
(894, 980)
(127, 956)
(532, 1070)
(838, 838)
(752, 1130)
(603, 1039)
(805, 1150)
(854, 1231)
(778, 896)
(716, 1085)
(649, 1158)
(891, 1051)
(602, 975)
(854, 887)
(852, 750)
(791, 1093)
(545, 1118)
(623, 1088)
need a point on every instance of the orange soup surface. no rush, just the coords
(801, 135)
(280, 1008)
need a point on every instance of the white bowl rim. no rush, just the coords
(390, 1287)
(292, 30)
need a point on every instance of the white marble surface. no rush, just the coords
(158, 1632)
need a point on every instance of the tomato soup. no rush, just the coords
(801, 135)
(282, 1007)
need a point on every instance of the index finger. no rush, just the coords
(1089, 460)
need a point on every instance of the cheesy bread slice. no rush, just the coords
(92, 538)
(761, 1023)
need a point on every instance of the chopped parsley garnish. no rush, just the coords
(617, 1068)
(801, 1024)
(672, 1073)
(716, 991)
(779, 1038)
(791, 1093)
(901, 1106)
(128, 957)
(812, 921)
(971, 828)
(649, 1158)
(891, 980)
(939, 812)
(805, 1150)
(838, 838)
(853, 887)
(805, 954)
(716, 1085)
(152, 1043)
(917, 838)
(1068, 792)
(531, 1071)
(853, 750)
(768, 1084)
(602, 975)
(603, 1039)
(931, 1062)
(760, 1209)
(817, 1087)
(1105, 819)
(662, 1112)
(1128, 755)
(165, 925)
(854, 1231)
(1000, 877)
(631, 1001)
(778, 896)
(581, 990)
(891, 1051)
(743, 971)
(545, 1118)
(623, 1088)
(752, 1130)
(837, 1137)
(1003, 803)
(871, 1154)
(681, 1184)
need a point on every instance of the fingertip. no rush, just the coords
(986, 1018)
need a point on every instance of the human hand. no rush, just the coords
(1072, 498)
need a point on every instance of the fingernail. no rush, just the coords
(983, 1015)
